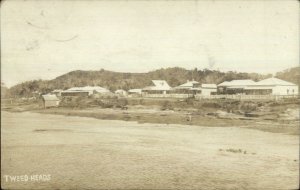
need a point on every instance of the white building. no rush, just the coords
(135, 91)
(159, 87)
(208, 89)
(50, 100)
(84, 91)
(272, 86)
(190, 87)
(234, 86)
(121, 92)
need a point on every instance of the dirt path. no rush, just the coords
(86, 153)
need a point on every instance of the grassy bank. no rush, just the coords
(281, 117)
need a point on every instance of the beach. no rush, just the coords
(88, 153)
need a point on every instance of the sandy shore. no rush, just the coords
(87, 153)
(185, 117)
(278, 118)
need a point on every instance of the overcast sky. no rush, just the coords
(44, 39)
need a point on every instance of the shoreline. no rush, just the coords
(183, 117)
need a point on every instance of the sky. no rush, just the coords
(45, 39)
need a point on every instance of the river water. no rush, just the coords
(64, 152)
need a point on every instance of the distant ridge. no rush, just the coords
(118, 80)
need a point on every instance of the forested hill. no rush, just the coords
(291, 75)
(117, 80)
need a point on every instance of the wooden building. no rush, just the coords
(272, 86)
(85, 91)
(208, 89)
(159, 87)
(234, 86)
(190, 87)
(50, 100)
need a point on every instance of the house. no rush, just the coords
(75, 93)
(135, 92)
(84, 91)
(208, 89)
(96, 89)
(50, 100)
(234, 86)
(159, 87)
(190, 87)
(273, 86)
(121, 92)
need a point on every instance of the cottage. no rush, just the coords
(159, 87)
(50, 100)
(234, 86)
(96, 89)
(190, 87)
(75, 93)
(136, 92)
(272, 86)
(121, 92)
(208, 89)
(85, 91)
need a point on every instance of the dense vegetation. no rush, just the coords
(116, 80)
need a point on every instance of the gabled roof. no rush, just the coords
(225, 83)
(187, 85)
(50, 97)
(238, 83)
(209, 86)
(161, 83)
(274, 82)
(89, 88)
(158, 85)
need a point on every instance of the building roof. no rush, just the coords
(209, 86)
(136, 90)
(187, 85)
(89, 88)
(50, 97)
(158, 85)
(120, 91)
(274, 82)
(240, 83)
(258, 88)
(196, 89)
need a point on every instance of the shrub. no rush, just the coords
(211, 105)
(248, 107)
(122, 103)
(166, 105)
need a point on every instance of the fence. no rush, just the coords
(222, 96)
(245, 97)
(168, 95)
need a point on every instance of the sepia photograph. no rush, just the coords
(150, 94)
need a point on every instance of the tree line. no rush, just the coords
(117, 80)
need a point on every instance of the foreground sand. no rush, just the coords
(86, 153)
